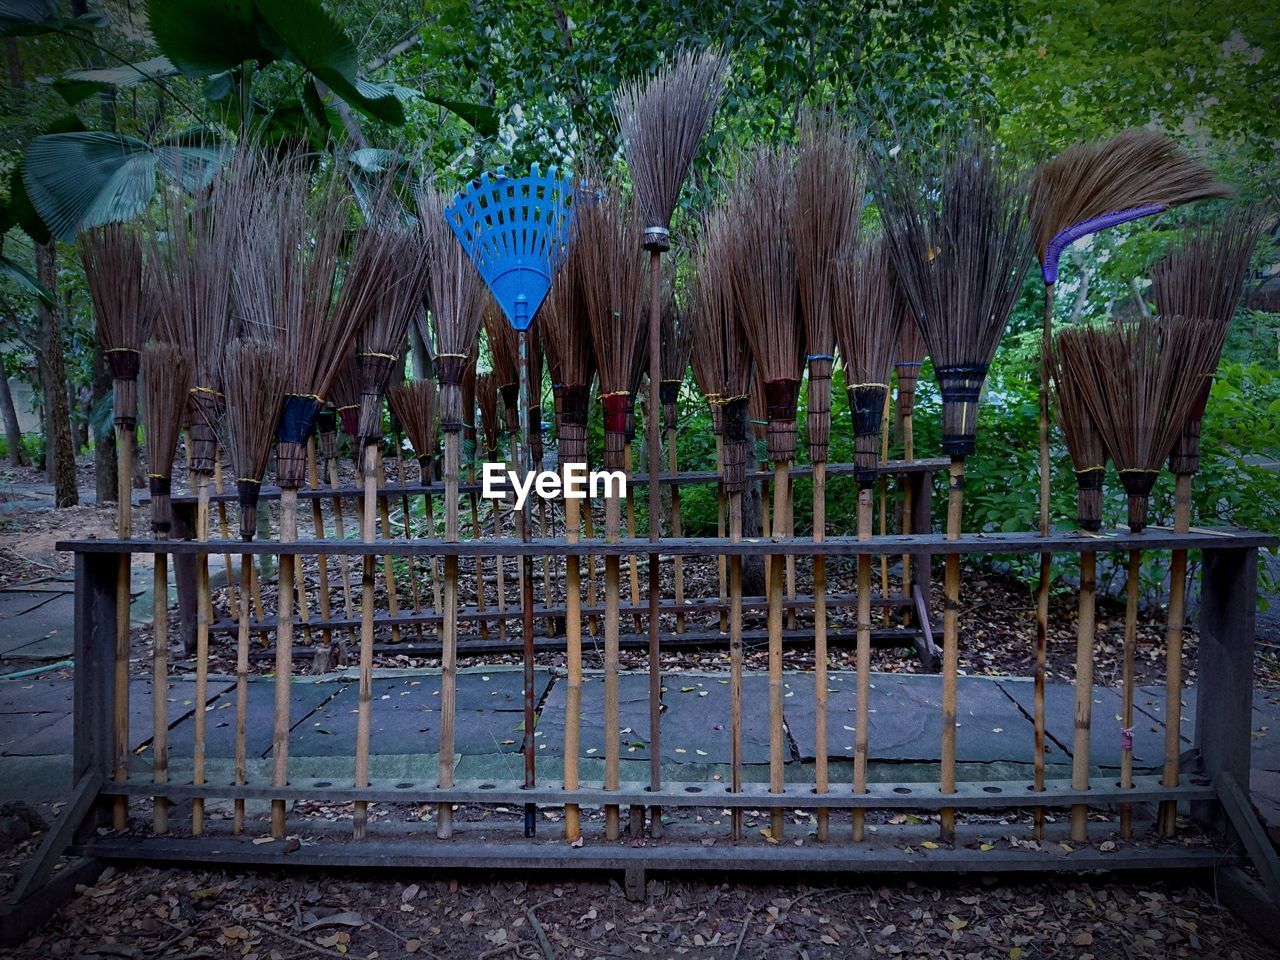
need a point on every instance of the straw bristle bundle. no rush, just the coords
(613, 300)
(1203, 276)
(1138, 380)
(677, 344)
(166, 381)
(414, 405)
(456, 296)
(722, 360)
(911, 354)
(504, 348)
(1085, 445)
(566, 333)
(869, 314)
(1135, 168)
(663, 119)
(253, 377)
(345, 393)
(961, 244)
(762, 268)
(830, 187)
(122, 306)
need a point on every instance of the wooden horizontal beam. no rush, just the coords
(1063, 541)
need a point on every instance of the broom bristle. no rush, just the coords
(414, 404)
(166, 381)
(828, 208)
(346, 400)
(1139, 381)
(456, 295)
(869, 314)
(122, 306)
(961, 244)
(1135, 169)
(662, 120)
(911, 354)
(677, 344)
(1085, 445)
(613, 300)
(721, 357)
(762, 267)
(254, 381)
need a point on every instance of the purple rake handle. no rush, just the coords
(1064, 239)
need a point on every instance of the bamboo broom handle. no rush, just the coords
(788, 530)
(242, 691)
(1132, 595)
(612, 576)
(654, 437)
(677, 528)
(588, 527)
(950, 648)
(125, 438)
(478, 534)
(160, 687)
(284, 658)
(633, 562)
(861, 737)
(884, 504)
(820, 643)
(526, 594)
(573, 658)
(405, 513)
(202, 653)
(908, 489)
(317, 525)
(777, 756)
(1046, 563)
(720, 528)
(500, 574)
(735, 656)
(224, 531)
(433, 566)
(364, 706)
(1085, 631)
(449, 635)
(388, 567)
(341, 523)
(1168, 816)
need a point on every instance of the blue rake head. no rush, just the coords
(516, 230)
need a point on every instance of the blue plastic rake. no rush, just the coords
(516, 230)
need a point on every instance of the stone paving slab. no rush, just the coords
(1105, 737)
(696, 719)
(35, 696)
(15, 603)
(21, 634)
(633, 717)
(220, 722)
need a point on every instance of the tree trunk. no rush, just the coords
(61, 460)
(104, 436)
(12, 433)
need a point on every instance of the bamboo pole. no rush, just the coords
(526, 594)
(950, 649)
(777, 745)
(1046, 562)
(633, 562)
(1085, 629)
(909, 455)
(242, 690)
(720, 527)
(317, 525)
(414, 595)
(884, 504)
(861, 737)
(203, 609)
(449, 636)
(341, 523)
(1132, 595)
(573, 658)
(388, 567)
(654, 438)
(735, 656)
(1168, 813)
(500, 573)
(284, 658)
(126, 437)
(224, 531)
(478, 533)
(588, 527)
(820, 643)
(677, 528)
(160, 686)
(364, 706)
(612, 586)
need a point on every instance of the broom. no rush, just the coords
(456, 298)
(960, 243)
(503, 347)
(414, 405)
(677, 344)
(1140, 381)
(122, 307)
(724, 360)
(662, 120)
(608, 241)
(253, 379)
(569, 352)
(910, 359)
(192, 271)
(290, 285)
(1088, 457)
(166, 380)
(1202, 277)
(824, 229)
(396, 254)
(868, 315)
(763, 277)
(1088, 187)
